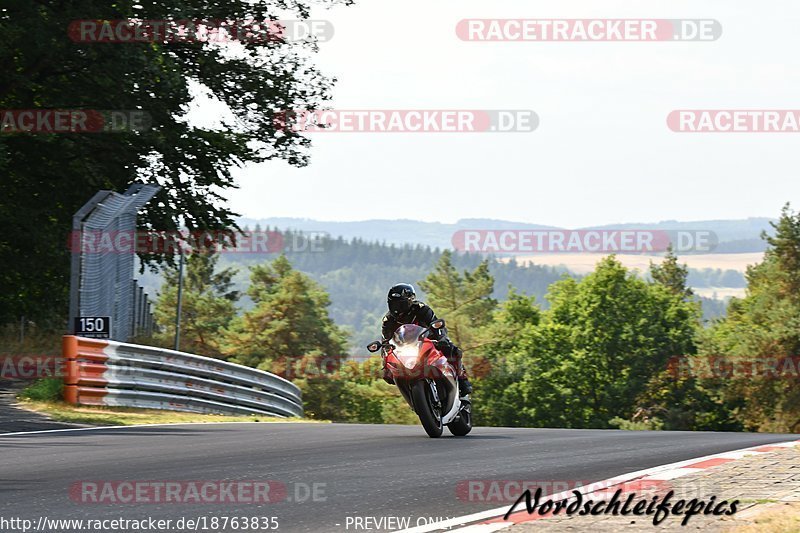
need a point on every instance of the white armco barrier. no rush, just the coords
(102, 372)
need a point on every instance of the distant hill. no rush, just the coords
(734, 235)
(397, 232)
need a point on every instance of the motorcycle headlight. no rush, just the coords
(407, 355)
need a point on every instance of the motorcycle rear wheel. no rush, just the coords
(423, 402)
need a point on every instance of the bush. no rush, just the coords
(636, 425)
(44, 390)
(355, 394)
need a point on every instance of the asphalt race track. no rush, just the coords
(357, 470)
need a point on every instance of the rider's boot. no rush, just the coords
(464, 386)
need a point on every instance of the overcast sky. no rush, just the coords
(602, 153)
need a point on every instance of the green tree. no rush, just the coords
(610, 350)
(671, 274)
(464, 301)
(208, 305)
(589, 357)
(764, 327)
(355, 393)
(288, 322)
(784, 253)
(673, 398)
(512, 383)
(47, 177)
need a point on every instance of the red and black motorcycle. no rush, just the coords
(426, 380)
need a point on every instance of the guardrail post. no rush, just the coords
(69, 350)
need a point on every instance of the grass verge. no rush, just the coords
(43, 396)
(128, 416)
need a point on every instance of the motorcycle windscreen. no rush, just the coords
(407, 340)
(407, 334)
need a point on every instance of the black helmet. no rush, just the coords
(400, 298)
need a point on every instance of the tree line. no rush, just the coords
(611, 349)
(356, 274)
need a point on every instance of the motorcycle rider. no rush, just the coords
(404, 308)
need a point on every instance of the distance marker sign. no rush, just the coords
(95, 327)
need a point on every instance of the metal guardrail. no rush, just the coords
(101, 372)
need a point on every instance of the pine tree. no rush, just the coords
(464, 301)
(208, 305)
(288, 323)
(764, 327)
(671, 275)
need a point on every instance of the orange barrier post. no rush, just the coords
(69, 347)
(69, 350)
(71, 394)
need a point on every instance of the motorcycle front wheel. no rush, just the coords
(429, 415)
(463, 424)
